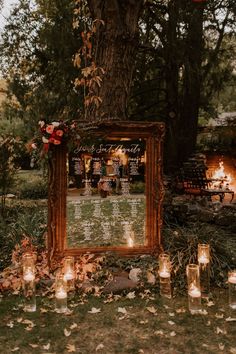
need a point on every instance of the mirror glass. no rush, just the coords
(106, 201)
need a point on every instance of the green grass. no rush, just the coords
(171, 330)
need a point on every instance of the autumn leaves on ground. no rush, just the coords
(138, 321)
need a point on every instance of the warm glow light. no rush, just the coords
(194, 291)
(219, 175)
(61, 294)
(232, 277)
(203, 253)
(28, 276)
(130, 242)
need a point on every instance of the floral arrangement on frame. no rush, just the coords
(53, 134)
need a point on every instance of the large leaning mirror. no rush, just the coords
(105, 194)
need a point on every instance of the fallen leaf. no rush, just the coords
(141, 351)
(122, 318)
(71, 348)
(122, 310)
(152, 309)
(46, 346)
(204, 312)
(151, 279)
(230, 319)
(171, 314)
(94, 310)
(159, 333)
(42, 310)
(210, 303)
(221, 346)
(73, 326)
(219, 315)
(172, 334)
(33, 345)
(134, 274)
(10, 324)
(100, 346)
(28, 322)
(143, 322)
(181, 310)
(15, 349)
(232, 350)
(220, 331)
(28, 328)
(131, 295)
(171, 323)
(19, 320)
(66, 332)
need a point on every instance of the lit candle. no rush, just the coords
(203, 259)
(165, 275)
(29, 276)
(61, 294)
(69, 275)
(130, 242)
(203, 253)
(232, 278)
(194, 291)
(164, 272)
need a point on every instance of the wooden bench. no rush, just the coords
(193, 180)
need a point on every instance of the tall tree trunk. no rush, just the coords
(191, 83)
(171, 78)
(116, 46)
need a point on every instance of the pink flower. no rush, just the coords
(49, 128)
(59, 132)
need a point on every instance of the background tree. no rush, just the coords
(141, 60)
(38, 46)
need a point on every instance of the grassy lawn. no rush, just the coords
(143, 324)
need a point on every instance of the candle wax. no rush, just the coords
(232, 279)
(164, 274)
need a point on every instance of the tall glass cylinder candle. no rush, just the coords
(69, 272)
(165, 275)
(28, 264)
(60, 293)
(194, 290)
(232, 289)
(204, 268)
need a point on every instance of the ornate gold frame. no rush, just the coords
(154, 135)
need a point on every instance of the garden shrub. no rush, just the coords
(20, 221)
(35, 188)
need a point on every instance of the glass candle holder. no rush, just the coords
(60, 293)
(204, 268)
(165, 275)
(232, 289)
(194, 290)
(28, 264)
(69, 272)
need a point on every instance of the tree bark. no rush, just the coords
(191, 83)
(172, 83)
(115, 47)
